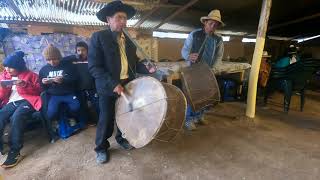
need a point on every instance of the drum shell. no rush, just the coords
(200, 86)
(175, 116)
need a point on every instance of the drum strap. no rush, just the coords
(149, 63)
(202, 47)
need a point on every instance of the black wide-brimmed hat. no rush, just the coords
(113, 7)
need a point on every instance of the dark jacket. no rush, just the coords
(64, 69)
(105, 63)
(85, 80)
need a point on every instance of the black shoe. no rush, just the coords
(54, 139)
(92, 124)
(12, 159)
(125, 144)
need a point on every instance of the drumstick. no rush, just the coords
(127, 101)
(149, 63)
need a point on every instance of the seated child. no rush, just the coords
(58, 79)
(19, 99)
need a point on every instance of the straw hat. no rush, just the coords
(213, 15)
(265, 54)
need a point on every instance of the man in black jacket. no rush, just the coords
(86, 90)
(113, 63)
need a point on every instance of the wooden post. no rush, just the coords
(257, 55)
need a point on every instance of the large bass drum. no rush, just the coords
(200, 86)
(158, 111)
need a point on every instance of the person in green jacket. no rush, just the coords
(291, 58)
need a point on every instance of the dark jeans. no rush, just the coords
(85, 97)
(93, 98)
(193, 116)
(17, 113)
(106, 123)
(53, 108)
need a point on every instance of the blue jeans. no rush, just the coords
(192, 116)
(92, 97)
(16, 113)
(54, 104)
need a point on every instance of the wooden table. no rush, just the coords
(172, 70)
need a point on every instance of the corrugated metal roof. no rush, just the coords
(79, 12)
(82, 12)
(240, 16)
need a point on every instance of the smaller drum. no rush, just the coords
(159, 111)
(200, 86)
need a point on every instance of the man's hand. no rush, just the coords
(151, 68)
(20, 83)
(58, 79)
(193, 57)
(118, 89)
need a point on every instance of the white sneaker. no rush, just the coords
(190, 126)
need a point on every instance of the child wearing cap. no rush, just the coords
(19, 99)
(58, 79)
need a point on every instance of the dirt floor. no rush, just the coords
(273, 146)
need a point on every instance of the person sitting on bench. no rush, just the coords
(85, 85)
(19, 99)
(58, 79)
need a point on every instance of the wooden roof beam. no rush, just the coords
(144, 18)
(277, 26)
(135, 3)
(181, 9)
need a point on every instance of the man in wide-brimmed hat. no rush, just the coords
(265, 69)
(206, 46)
(113, 63)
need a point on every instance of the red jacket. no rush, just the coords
(30, 92)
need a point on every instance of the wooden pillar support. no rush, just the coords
(257, 55)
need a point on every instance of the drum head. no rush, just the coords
(148, 98)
